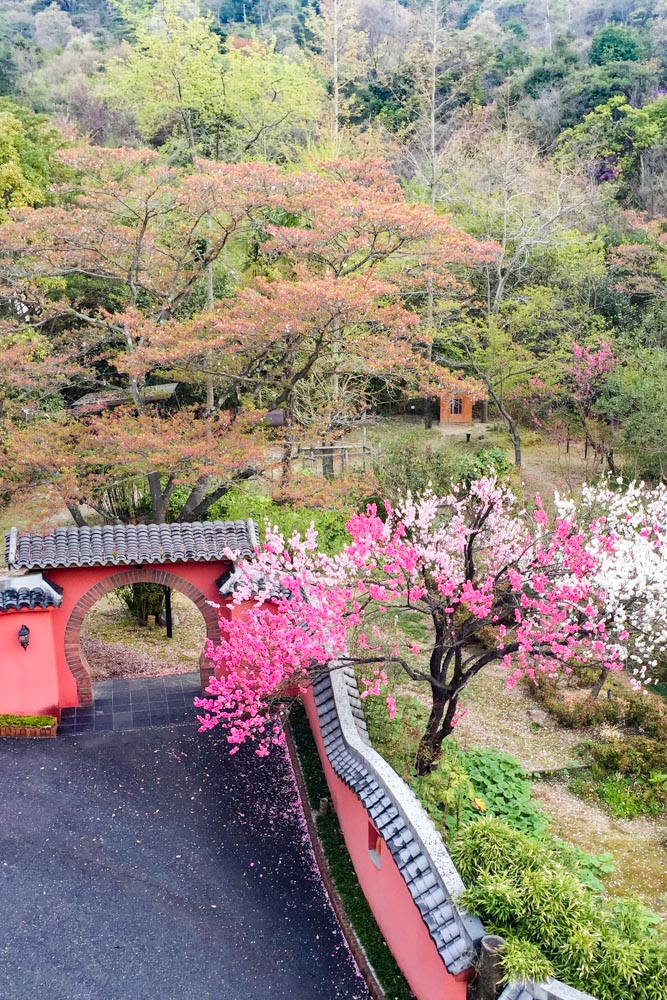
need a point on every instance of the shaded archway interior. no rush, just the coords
(74, 654)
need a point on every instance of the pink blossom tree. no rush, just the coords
(587, 375)
(492, 583)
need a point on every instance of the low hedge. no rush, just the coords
(33, 721)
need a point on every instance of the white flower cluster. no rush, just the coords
(628, 536)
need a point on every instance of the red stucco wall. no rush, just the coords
(465, 417)
(77, 581)
(28, 680)
(386, 891)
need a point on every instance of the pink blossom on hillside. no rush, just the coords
(490, 582)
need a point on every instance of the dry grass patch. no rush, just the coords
(116, 646)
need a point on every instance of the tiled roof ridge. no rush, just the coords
(411, 837)
(28, 593)
(130, 544)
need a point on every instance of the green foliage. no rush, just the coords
(27, 145)
(142, 600)
(447, 793)
(466, 783)
(637, 399)
(551, 68)
(589, 868)
(524, 962)
(397, 739)
(500, 780)
(615, 950)
(632, 709)
(241, 504)
(412, 461)
(617, 43)
(249, 102)
(36, 721)
(627, 773)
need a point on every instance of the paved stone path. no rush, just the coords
(151, 865)
(122, 704)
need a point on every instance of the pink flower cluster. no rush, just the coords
(547, 591)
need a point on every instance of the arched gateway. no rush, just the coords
(69, 569)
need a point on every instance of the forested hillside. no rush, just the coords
(211, 210)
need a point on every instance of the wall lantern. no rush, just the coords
(24, 636)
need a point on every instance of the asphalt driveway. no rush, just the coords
(150, 864)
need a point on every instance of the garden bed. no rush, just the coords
(28, 726)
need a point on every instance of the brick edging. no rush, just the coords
(366, 969)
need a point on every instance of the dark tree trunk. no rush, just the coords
(428, 750)
(599, 684)
(77, 515)
(159, 502)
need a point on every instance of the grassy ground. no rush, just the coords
(115, 646)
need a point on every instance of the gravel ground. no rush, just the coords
(151, 864)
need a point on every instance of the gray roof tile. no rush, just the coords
(21, 599)
(28, 593)
(456, 948)
(130, 544)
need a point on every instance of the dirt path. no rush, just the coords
(505, 719)
(639, 846)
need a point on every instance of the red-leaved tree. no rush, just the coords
(153, 317)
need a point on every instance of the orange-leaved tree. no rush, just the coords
(156, 313)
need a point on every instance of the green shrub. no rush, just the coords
(36, 721)
(648, 715)
(396, 739)
(241, 504)
(142, 600)
(479, 780)
(633, 709)
(615, 950)
(587, 867)
(447, 793)
(523, 961)
(500, 780)
(413, 461)
(627, 773)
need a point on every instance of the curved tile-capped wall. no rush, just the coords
(409, 834)
(130, 544)
(415, 845)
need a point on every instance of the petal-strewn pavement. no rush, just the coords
(150, 864)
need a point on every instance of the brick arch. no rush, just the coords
(74, 655)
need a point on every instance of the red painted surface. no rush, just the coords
(28, 680)
(386, 892)
(40, 680)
